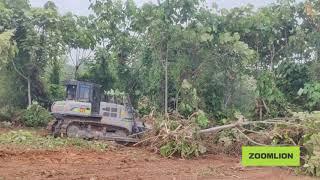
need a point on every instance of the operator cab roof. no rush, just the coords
(75, 83)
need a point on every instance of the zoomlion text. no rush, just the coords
(270, 156)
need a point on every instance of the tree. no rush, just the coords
(79, 38)
(7, 46)
(38, 43)
(151, 51)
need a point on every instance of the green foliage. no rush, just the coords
(311, 91)
(284, 134)
(244, 95)
(99, 70)
(7, 113)
(7, 46)
(144, 106)
(216, 58)
(115, 93)
(273, 97)
(228, 138)
(37, 41)
(188, 101)
(290, 77)
(201, 119)
(310, 142)
(179, 138)
(36, 116)
(56, 92)
(181, 148)
(11, 91)
(54, 77)
(29, 139)
(314, 71)
(312, 163)
(310, 121)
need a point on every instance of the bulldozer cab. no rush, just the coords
(84, 92)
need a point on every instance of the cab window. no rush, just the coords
(71, 92)
(84, 93)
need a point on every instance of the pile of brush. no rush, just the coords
(173, 136)
(183, 137)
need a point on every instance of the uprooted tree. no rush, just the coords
(184, 138)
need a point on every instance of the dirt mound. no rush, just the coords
(125, 163)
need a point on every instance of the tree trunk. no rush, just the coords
(317, 55)
(76, 72)
(166, 82)
(29, 93)
(241, 122)
(166, 88)
(28, 80)
(177, 101)
(272, 58)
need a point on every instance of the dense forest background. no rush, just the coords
(260, 62)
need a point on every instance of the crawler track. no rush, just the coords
(88, 128)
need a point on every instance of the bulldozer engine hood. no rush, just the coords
(71, 107)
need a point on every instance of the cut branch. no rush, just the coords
(249, 139)
(260, 144)
(265, 106)
(239, 123)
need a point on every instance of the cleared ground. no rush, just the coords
(125, 163)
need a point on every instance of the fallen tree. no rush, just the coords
(182, 137)
(176, 136)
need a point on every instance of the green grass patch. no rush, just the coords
(32, 140)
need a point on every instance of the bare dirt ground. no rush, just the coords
(125, 163)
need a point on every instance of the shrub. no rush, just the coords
(268, 92)
(56, 92)
(6, 113)
(312, 163)
(144, 106)
(188, 100)
(311, 142)
(36, 116)
(311, 92)
(201, 119)
(183, 148)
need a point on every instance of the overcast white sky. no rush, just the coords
(80, 7)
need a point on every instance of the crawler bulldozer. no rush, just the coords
(89, 113)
